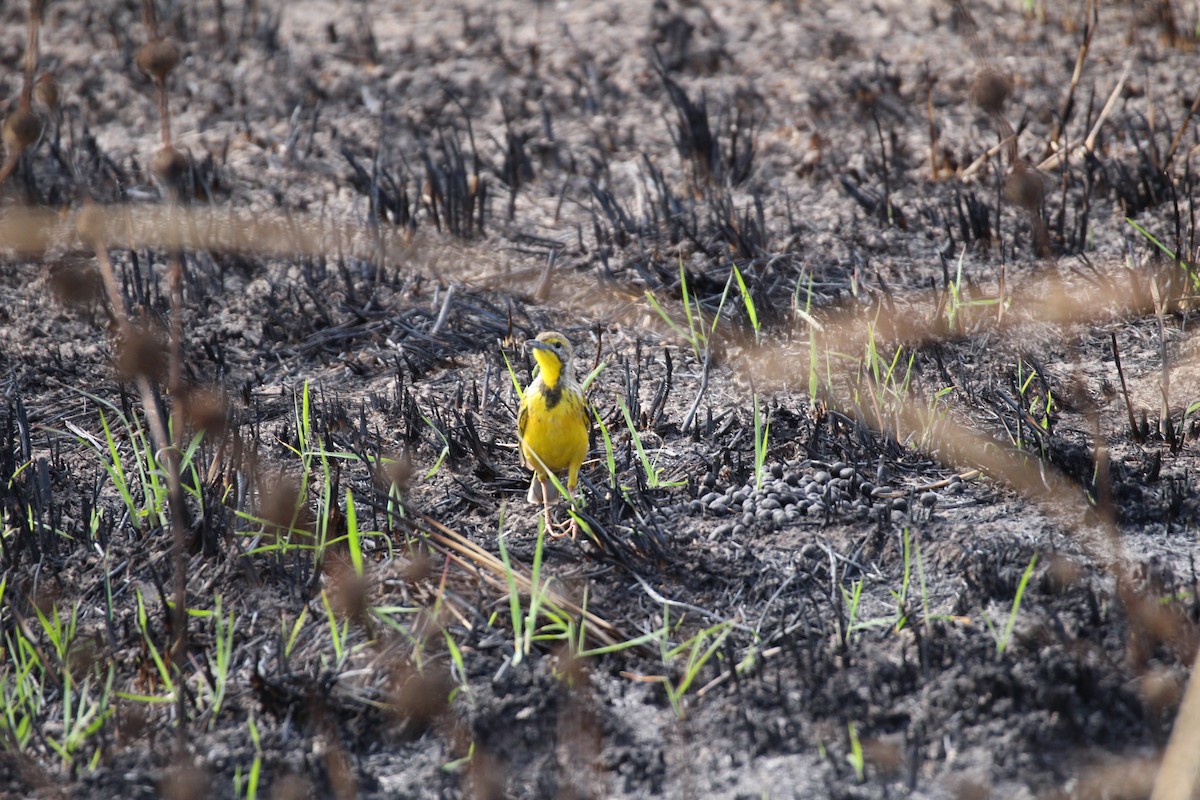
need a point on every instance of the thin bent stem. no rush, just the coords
(168, 453)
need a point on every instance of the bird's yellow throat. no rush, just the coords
(550, 365)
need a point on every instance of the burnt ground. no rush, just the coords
(965, 566)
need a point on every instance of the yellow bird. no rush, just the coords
(552, 422)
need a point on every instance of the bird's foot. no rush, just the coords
(563, 529)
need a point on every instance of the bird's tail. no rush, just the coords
(535, 491)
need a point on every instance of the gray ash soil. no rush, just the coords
(504, 168)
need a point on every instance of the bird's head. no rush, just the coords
(554, 356)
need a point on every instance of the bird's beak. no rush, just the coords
(534, 344)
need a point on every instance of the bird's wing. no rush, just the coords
(522, 421)
(586, 418)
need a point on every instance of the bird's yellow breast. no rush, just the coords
(555, 428)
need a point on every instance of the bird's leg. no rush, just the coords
(572, 482)
(573, 525)
(555, 531)
(546, 504)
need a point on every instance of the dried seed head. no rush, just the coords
(348, 592)
(46, 92)
(21, 129)
(1062, 573)
(206, 409)
(85, 653)
(1161, 689)
(571, 667)
(400, 473)
(171, 166)
(487, 776)
(46, 596)
(418, 696)
(970, 790)
(283, 509)
(991, 90)
(186, 781)
(1025, 188)
(158, 58)
(132, 722)
(419, 569)
(92, 224)
(886, 756)
(142, 352)
(75, 282)
(291, 787)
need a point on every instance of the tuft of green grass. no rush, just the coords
(814, 327)
(696, 651)
(537, 592)
(900, 617)
(762, 431)
(22, 689)
(162, 669)
(1034, 408)
(338, 634)
(85, 709)
(609, 457)
(128, 457)
(247, 785)
(877, 383)
(317, 462)
(1188, 268)
(748, 302)
(851, 598)
(33, 681)
(220, 660)
(437, 464)
(458, 764)
(956, 300)
(1004, 637)
(542, 620)
(699, 332)
(516, 618)
(916, 547)
(292, 635)
(651, 470)
(354, 541)
(901, 596)
(855, 757)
